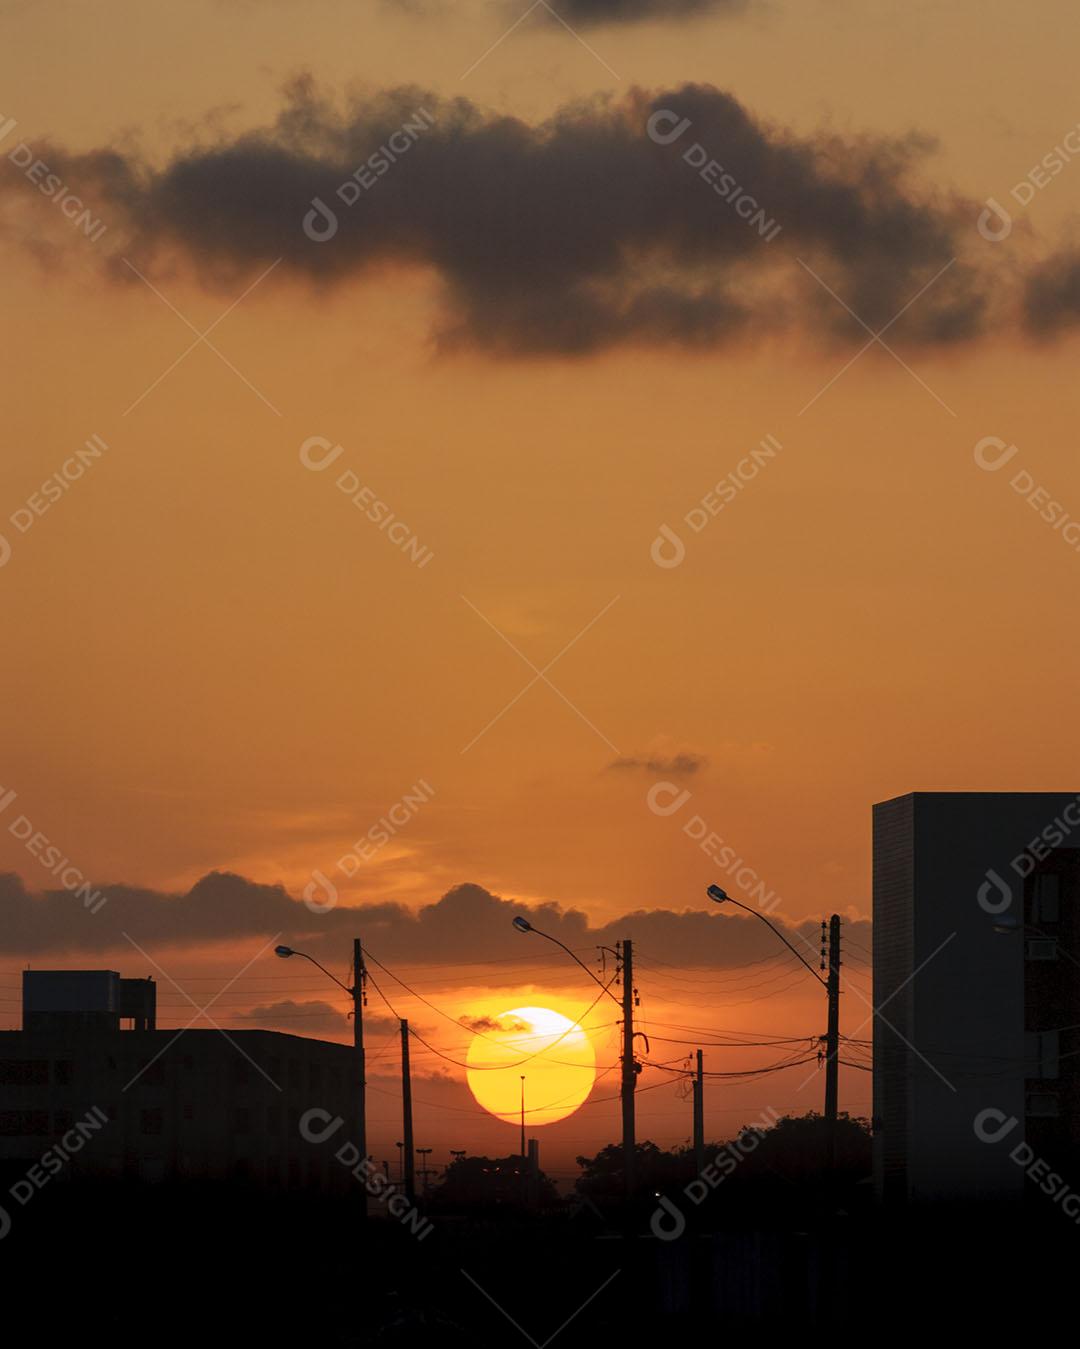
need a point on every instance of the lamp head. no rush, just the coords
(523, 924)
(284, 952)
(717, 895)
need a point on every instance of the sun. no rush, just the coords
(551, 1052)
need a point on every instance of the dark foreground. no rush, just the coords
(197, 1266)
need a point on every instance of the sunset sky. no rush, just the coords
(542, 339)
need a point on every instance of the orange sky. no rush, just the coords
(215, 662)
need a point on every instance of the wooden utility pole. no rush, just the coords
(629, 1068)
(832, 1041)
(699, 1118)
(406, 1107)
(359, 1062)
(522, 1115)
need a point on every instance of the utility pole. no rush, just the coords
(360, 1069)
(699, 1118)
(425, 1170)
(832, 1038)
(522, 1114)
(629, 1068)
(406, 1106)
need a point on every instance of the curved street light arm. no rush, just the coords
(592, 976)
(794, 951)
(325, 971)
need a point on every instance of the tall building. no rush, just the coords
(977, 985)
(154, 1104)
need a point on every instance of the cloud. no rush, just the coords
(593, 13)
(466, 928)
(567, 237)
(494, 1023)
(314, 1017)
(1052, 294)
(675, 765)
(297, 1018)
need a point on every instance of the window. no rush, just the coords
(314, 1077)
(62, 1121)
(1044, 1103)
(296, 1073)
(1046, 907)
(24, 1072)
(151, 1073)
(1042, 948)
(24, 1123)
(1041, 1053)
(273, 1119)
(63, 1069)
(239, 1073)
(152, 1122)
(189, 1111)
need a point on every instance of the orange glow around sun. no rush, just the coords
(551, 1052)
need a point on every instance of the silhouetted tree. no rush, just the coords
(601, 1176)
(774, 1170)
(487, 1182)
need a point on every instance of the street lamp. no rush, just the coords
(832, 991)
(719, 896)
(630, 1067)
(523, 925)
(286, 951)
(357, 995)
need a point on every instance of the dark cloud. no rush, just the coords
(494, 1023)
(314, 1017)
(1052, 294)
(571, 236)
(297, 1018)
(468, 927)
(674, 765)
(587, 13)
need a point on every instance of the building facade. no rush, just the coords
(977, 986)
(190, 1106)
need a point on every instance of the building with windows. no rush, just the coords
(977, 990)
(200, 1104)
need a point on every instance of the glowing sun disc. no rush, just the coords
(554, 1055)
